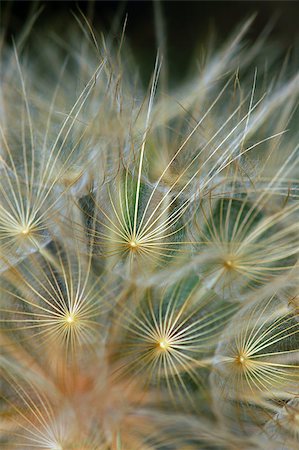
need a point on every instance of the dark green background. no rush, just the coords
(187, 24)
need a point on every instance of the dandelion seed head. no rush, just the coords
(142, 237)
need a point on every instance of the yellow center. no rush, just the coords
(133, 245)
(70, 319)
(242, 360)
(25, 231)
(228, 264)
(164, 344)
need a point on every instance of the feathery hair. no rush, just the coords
(148, 248)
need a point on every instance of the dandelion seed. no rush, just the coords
(257, 360)
(167, 342)
(58, 302)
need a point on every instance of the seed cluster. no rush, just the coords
(148, 249)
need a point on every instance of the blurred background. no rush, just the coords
(186, 24)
